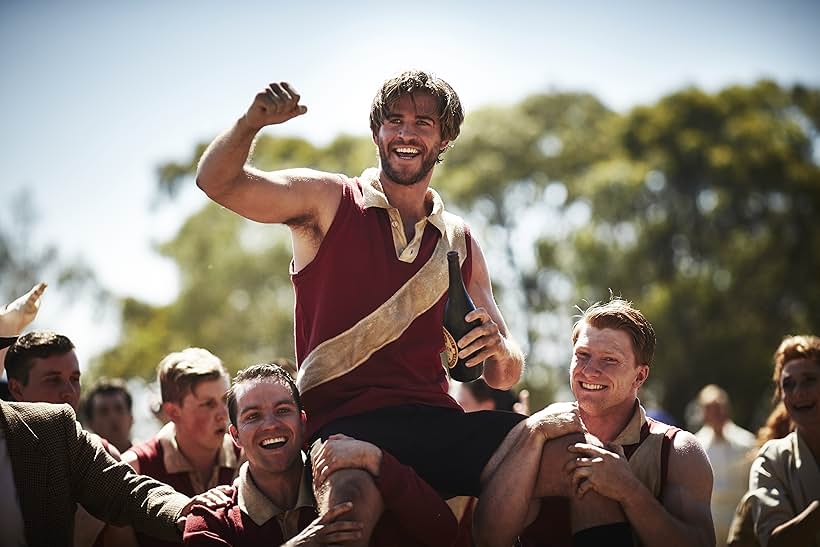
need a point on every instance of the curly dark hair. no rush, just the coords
(450, 112)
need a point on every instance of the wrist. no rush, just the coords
(376, 460)
(247, 127)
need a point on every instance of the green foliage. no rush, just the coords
(23, 262)
(705, 216)
(700, 208)
(236, 298)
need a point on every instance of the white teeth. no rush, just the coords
(406, 150)
(594, 387)
(273, 440)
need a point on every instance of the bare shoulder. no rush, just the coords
(686, 445)
(688, 490)
(686, 457)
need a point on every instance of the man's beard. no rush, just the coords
(409, 179)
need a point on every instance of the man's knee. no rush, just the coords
(354, 485)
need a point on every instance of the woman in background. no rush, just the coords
(781, 507)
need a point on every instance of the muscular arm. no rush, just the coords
(682, 518)
(503, 360)
(304, 199)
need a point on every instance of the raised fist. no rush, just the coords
(276, 104)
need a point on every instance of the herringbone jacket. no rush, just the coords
(56, 466)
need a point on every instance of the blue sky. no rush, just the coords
(95, 95)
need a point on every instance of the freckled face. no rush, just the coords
(203, 414)
(604, 372)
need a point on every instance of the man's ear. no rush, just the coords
(172, 410)
(444, 145)
(304, 418)
(643, 374)
(16, 390)
(234, 435)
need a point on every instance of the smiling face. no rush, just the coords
(409, 139)
(269, 426)
(202, 416)
(604, 373)
(53, 379)
(800, 386)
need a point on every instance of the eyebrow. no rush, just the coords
(60, 373)
(280, 402)
(431, 117)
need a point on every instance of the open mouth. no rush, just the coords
(406, 152)
(272, 443)
(591, 387)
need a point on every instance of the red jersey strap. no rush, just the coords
(666, 448)
(630, 449)
(652, 426)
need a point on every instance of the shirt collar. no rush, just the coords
(631, 434)
(176, 462)
(374, 196)
(254, 503)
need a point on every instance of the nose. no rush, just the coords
(406, 130)
(222, 413)
(591, 368)
(69, 393)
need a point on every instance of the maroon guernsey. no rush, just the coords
(361, 263)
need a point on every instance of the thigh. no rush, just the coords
(448, 448)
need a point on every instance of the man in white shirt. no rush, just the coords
(727, 445)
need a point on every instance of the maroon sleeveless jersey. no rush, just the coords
(354, 272)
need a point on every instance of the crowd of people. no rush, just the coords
(366, 442)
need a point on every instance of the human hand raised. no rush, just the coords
(276, 104)
(21, 312)
(327, 529)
